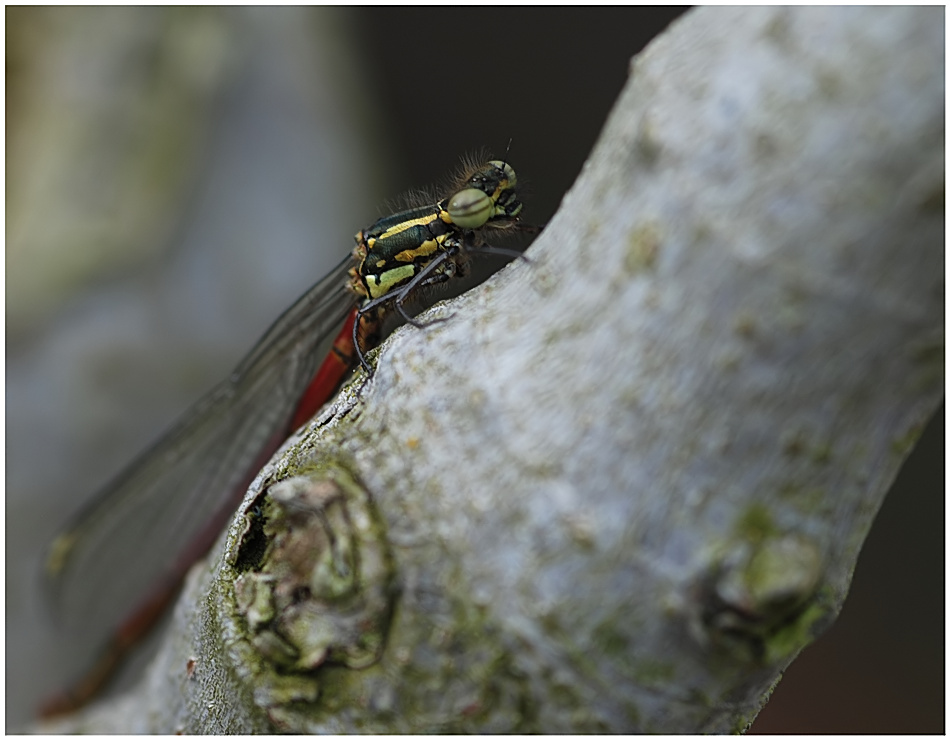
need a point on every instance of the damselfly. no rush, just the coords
(120, 560)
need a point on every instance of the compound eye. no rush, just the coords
(470, 208)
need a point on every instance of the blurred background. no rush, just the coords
(176, 177)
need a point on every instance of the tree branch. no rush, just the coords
(628, 480)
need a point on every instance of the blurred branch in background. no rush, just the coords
(176, 177)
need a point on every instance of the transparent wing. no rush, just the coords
(137, 530)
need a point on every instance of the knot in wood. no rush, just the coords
(317, 577)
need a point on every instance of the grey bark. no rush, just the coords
(628, 480)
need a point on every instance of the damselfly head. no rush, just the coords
(489, 196)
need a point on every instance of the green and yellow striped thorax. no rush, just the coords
(396, 248)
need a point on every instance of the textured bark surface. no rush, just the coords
(628, 481)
